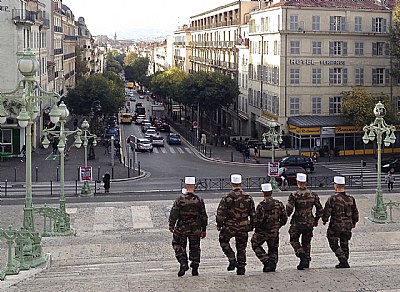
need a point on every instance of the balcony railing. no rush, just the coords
(58, 28)
(23, 16)
(58, 51)
(70, 38)
(69, 56)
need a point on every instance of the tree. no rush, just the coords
(81, 67)
(395, 42)
(358, 105)
(136, 72)
(130, 58)
(96, 87)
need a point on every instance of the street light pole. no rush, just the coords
(86, 191)
(378, 129)
(275, 138)
(29, 102)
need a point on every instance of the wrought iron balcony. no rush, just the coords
(23, 16)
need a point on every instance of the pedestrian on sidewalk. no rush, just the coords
(247, 152)
(342, 210)
(301, 203)
(270, 217)
(390, 181)
(106, 182)
(23, 152)
(188, 222)
(235, 218)
(106, 146)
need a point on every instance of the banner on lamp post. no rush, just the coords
(85, 173)
(273, 168)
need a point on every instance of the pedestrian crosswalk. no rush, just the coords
(172, 150)
(364, 176)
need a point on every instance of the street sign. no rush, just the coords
(273, 168)
(85, 173)
(195, 124)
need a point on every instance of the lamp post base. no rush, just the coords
(274, 184)
(378, 211)
(86, 191)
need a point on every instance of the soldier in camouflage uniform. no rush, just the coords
(270, 217)
(188, 221)
(303, 221)
(342, 210)
(235, 218)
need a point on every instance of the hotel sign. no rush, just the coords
(314, 62)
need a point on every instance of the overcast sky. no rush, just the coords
(137, 19)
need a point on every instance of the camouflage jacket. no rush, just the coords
(236, 211)
(342, 210)
(270, 216)
(302, 202)
(188, 214)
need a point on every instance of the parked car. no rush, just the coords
(391, 164)
(298, 160)
(174, 139)
(143, 145)
(290, 173)
(157, 141)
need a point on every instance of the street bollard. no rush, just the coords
(138, 167)
(37, 173)
(98, 173)
(57, 173)
(130, 163)
(5, 188)
(95, 187)
(51, 188)
(210, 152)
(15, 174)
(129, 169)
(231, 156)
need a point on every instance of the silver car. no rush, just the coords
(143, 145)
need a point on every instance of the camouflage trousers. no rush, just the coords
(272, 240)
(306, 233)
(339, 241)
(179, 243)
(241, 238)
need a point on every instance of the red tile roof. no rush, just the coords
(350, 4)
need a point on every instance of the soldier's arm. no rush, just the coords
(252, 213)
(203, 216)
(327, 211)
(221, 213)
(283, 217)
(174, 213)
(355, 215)
(290, 205)
(319, 209)
(259, 216)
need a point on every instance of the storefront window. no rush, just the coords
(6, 140)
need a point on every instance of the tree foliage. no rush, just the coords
(102, 87)
(395, 42)
(130, 58)
(136, 72)
(358, 105)
(81, 67)
(167, 83)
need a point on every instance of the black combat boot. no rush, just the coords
(343, 264)
(304, 263)
(232, 265)
(195, 269)
(183, 268)
(269, 267)
(240, 271)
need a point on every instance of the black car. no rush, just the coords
(298, 160)
(391, 164)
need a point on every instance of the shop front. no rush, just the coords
(330, 136)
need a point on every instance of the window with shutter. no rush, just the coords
(387, 76)
(373, 25)
(374, 49)
(330, 48)
(332, 23)
(331, 79)
(344, 76)
(383, 25)
(374, 76)
(342, 23)
(344, 52)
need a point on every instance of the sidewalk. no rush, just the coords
(127, 247)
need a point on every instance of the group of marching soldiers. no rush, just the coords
(237, 216)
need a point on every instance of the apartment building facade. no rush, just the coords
(214, 37)
(181, 49)
(303, 55)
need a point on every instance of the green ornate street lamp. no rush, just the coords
(86, 136)
(275, 138)
(61, 133)
(377, 130)
(24, 95)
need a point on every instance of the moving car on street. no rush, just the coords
(157, 141)
(298, 160)
(174, 139)
(391, 164)
(142, 145)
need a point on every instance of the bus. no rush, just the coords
(126, 118)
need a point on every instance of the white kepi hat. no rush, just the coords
(266, 187)
(190, 180)
(339, 180)
(301, 177)
(236, 179)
